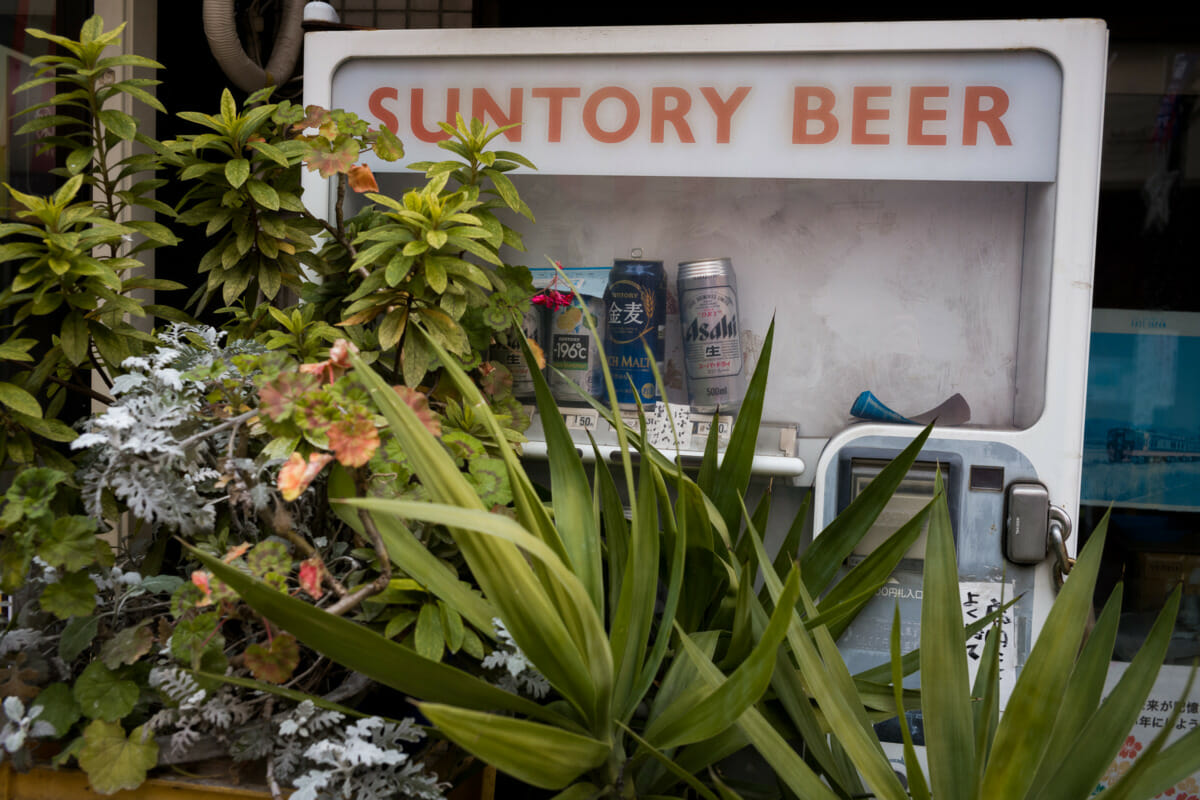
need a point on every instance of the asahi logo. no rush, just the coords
(698, 331)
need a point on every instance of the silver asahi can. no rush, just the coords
(574, 353)
(533, 326)
(712, 342)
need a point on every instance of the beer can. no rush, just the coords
(574, 351)
(635, 312)
(532, 325)
(712, 344)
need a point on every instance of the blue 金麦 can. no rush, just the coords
(635, 311)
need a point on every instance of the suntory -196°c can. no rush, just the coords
(635, 314)
(712, 344)
(573, 351)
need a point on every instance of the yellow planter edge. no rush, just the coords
(42, 783)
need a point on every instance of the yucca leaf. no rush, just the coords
(787, 764)
(733, 475)
(945, 693)
(985, 712)
(630, 630)
(1029, 716)
(1171, 765)
(679, 725)
(673, 533)
(821, 560)
(616, 528)
(570, 492)
(536, 608)
(835, 694)
(541, 755)
(1098, 740)
(789, 551)
(1083, 692)
(917, 785)
(406, 551)
(873, 571)
(672, 768)
(790, 693)
(512, 587)
(1149, 773)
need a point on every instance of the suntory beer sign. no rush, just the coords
(914, 116)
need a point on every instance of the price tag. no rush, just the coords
(580, 420)
(702, 425)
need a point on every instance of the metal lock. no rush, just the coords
(1033, 527)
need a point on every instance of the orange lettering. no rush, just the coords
(803, 112)
(417, 115)
(482, 103)
(919, 114)
(632, 114)
(724, 108)
(660, 115)
(375, 104)
(556, 97)
(974, 115)
(862, 113)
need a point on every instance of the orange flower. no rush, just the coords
(200, 579)
(362, 179)
(297, 474)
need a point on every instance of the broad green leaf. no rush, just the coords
(112, 761)
(74, 338)
(77, 636)
(275, 662)
(70, 543)
(59, 708)
(263, 194)
(128, 645)
(828, 550)
(1029, 716)
(120, 123)
(102, 695)
(18, 399)
(945, 691)
(540, 755)
(72, 596)
(237, 172)
(429, 639)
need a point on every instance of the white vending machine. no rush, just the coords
(913, 204)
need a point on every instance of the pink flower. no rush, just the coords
(310, 577)
(552, 299)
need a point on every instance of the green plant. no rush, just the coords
(76, 262)
(1056, 736)
(628, 715)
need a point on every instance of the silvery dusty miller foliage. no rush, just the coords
(152, 448)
